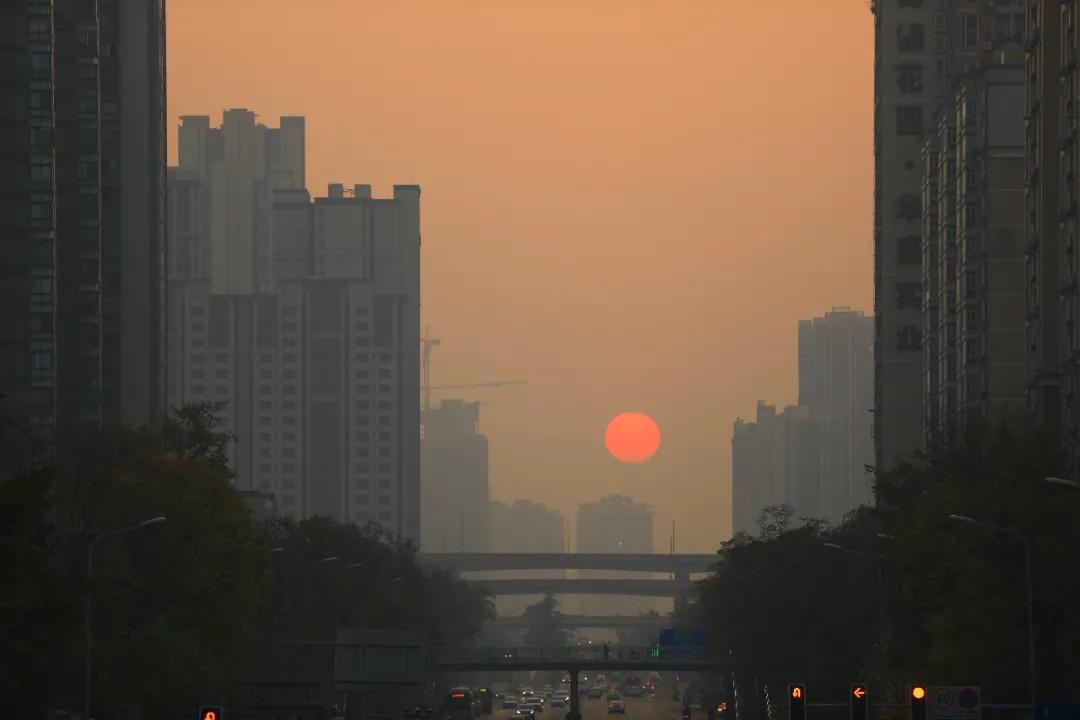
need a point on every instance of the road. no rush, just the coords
(645, 708)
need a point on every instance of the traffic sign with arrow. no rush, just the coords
(860, 701)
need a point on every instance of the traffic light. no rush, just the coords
(796, 702)
(859, 698)
(211, 713)
(918, 702)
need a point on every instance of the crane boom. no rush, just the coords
(492, 383)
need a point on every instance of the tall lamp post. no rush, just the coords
(1030, 603)
(88, 606)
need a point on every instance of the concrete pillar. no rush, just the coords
(575, 697)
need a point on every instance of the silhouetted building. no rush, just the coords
(303, 318)
(836, 381)
(1047, 343)
(924, 53)
(82, 183)
(523, 526)
(974, 249)
(455, 490)
(614, 524)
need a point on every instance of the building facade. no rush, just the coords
(613, 524)
(456, 494)
(836, 381)
(1045, 340)
(925, 51)
(1069, 228)
(523, 526)
(302, 318)
(82, 168)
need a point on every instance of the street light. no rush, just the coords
(88, 609)
(329, 558)
(1064, 482)
(967, 520)
(880, 581)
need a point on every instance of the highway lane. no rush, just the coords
(644, 708)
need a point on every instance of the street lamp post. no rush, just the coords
(1064, 482)
(1030, 602)
(88, 609)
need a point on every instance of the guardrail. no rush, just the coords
(516, 656)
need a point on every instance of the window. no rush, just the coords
(384, 452)
(288, 421)
(265, 437)
(363, 405)
(265, 389)
(266, 421)
(909, 120)
(384, 467)
(909, 250)
(384, 516)
(910, 37)
(969, 31)
(908, 338)
(909, 78)
(384, 499)
(41, 360)
(221, 390)
(288, 405)
(384, 483)
(908, 295)
(386, 436)
(908, 207)
(363, 421)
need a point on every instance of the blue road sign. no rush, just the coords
(682, 637)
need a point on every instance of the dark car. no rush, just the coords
(616, 707)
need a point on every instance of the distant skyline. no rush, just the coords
(629, 205)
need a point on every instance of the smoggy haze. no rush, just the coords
(627, 204)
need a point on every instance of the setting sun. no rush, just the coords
(632, 437)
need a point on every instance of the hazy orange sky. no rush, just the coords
(629, 204)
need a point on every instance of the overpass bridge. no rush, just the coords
(588, 621)
(642, 587)
(680, 564)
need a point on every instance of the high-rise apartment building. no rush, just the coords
(82, 189)
(454, 466)
(812, 456)
(1069, 225)
(302, 318)
(925, 52)
(836, 381)
(522, 526)
(973, 235)
(614, 524)
(1045, 340)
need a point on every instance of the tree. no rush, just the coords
(544, 628)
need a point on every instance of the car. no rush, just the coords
(616, 707)
(524, 713)
(559, 700)
(509, 703)
(595, 692)
(613, 695)
(634, 691)
(535, 703)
